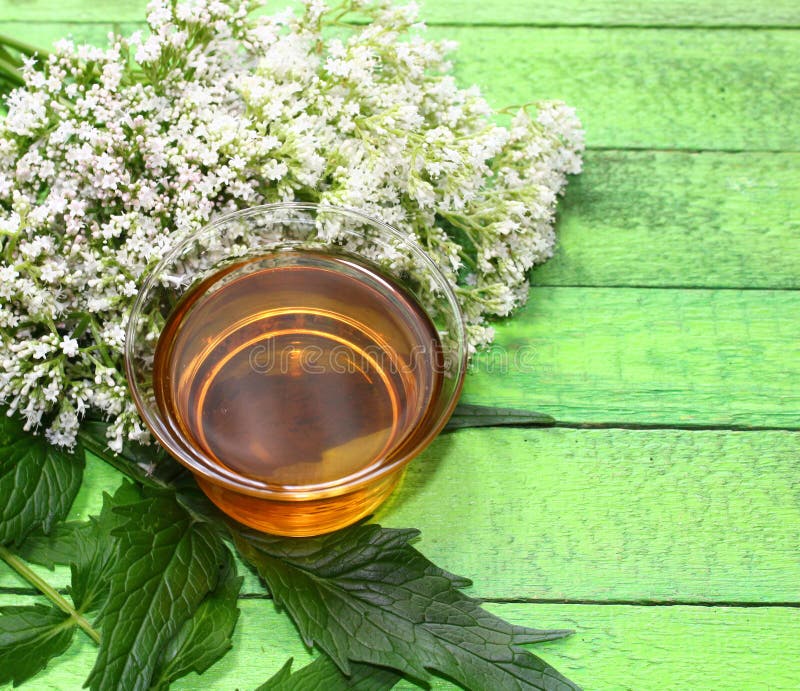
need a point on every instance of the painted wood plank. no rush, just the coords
(608, 12)
(44, 35)
(72, 11)
(645, 88)
(610, 514)
(632, 87)
(593, 514)
(614, 647)
(781, 13)
(672, 357)
(668, 218)
(679, 219)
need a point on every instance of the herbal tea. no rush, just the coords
(298, 369)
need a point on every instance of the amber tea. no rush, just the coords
(298, 369)
(297, 382)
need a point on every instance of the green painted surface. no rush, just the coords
(679, 219)
(703, 502)
(672, 302)
(627, 355)
(614, 647)
(646, 87)
(632, 87)
(781, 13)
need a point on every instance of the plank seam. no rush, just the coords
(740, 604)
(688, 150)
(637, 426)
(639, 286)
(11, 590)
(491, 25)
(687, 427)
(616, 25)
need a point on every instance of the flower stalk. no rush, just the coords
(49, 592)
(108, 154)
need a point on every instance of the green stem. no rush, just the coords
(25, 48)
(10, 72)
(95, 328)
(5, 55)
(127, 468)
(49, 592)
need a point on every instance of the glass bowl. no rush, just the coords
(295, 358)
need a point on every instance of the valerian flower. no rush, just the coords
(107, 154)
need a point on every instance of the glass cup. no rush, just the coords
(287, 446)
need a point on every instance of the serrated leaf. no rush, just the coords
(323, 674)
(364, 594)
(95, 547)
(30, 636)
(57, 547)
(87, 547)
(150, 466)
(38, 482)
(165, 564)
(281, 677)
(468, 415)
(206, 637)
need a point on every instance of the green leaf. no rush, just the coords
(281, 677)
(30, 637)
(38, 482)
(95, 549)
(467, 415)
(165, 564)
(363, 594)
(57, 547)
(86, 546)
(150, 466)
(323, 674)
(206, 637)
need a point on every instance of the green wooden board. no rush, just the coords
(666, 357)
(782, 13)
(656, 218)
(679, 219)
(547, 514)
(646, 88)
(671, 303)
(614, 647)
(633, 88)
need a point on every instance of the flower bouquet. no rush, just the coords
(110, 155)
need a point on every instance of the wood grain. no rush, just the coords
(608, 515)
(657, 218)
(593, 515)
(668, 357)
(633, 88)
(614, 647)
(679, 219)
(645, 88)
(45, 34)
(781, 13)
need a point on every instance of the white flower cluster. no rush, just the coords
(107, 154)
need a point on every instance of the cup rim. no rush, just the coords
(228, 479)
